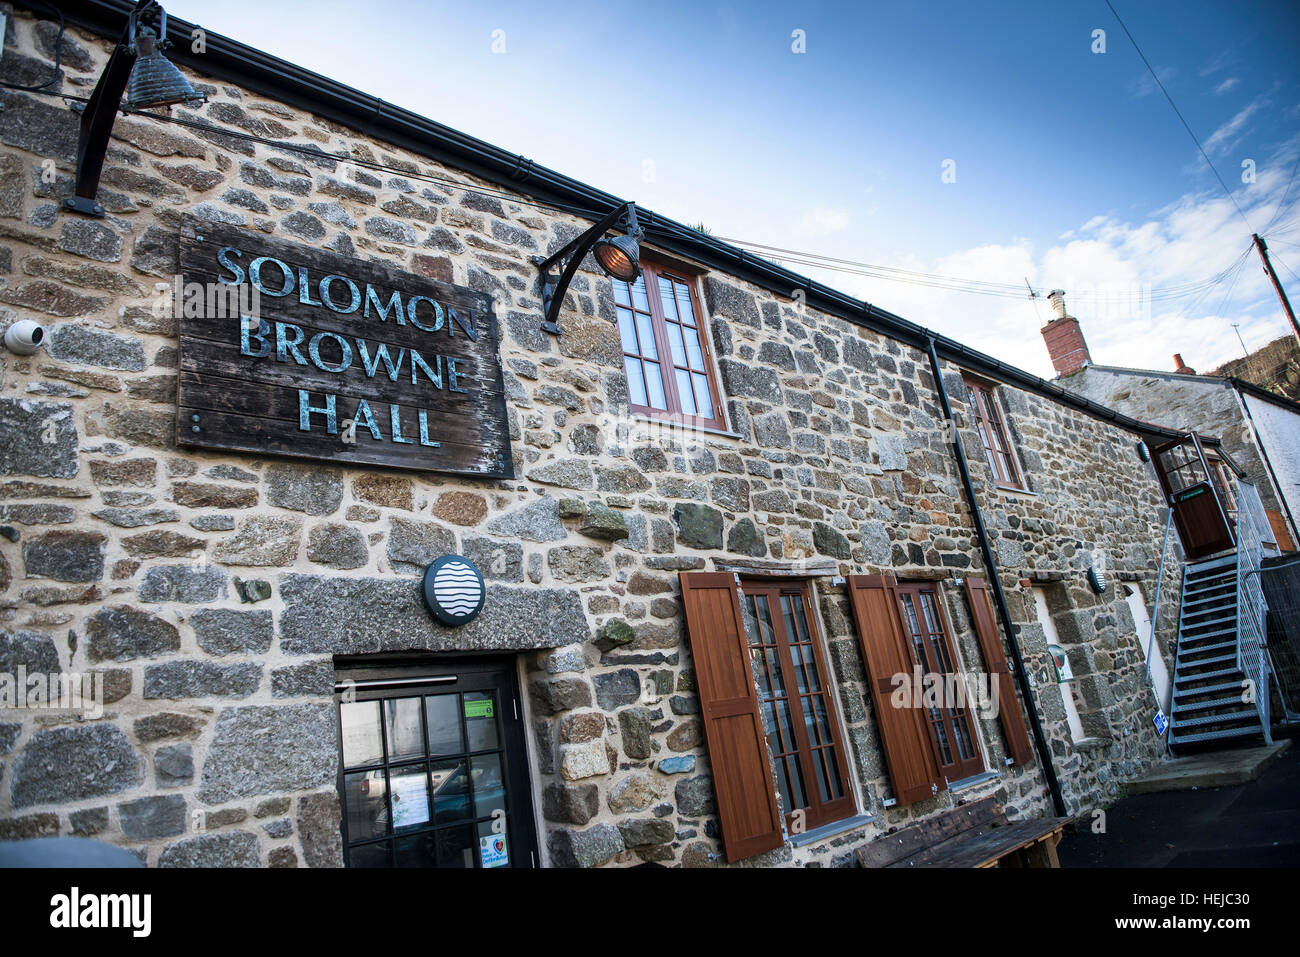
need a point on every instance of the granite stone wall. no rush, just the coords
(211, 592)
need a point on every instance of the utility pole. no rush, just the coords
(1281, 294)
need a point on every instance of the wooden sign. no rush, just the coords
(291, 350)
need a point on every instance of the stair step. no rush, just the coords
(1195, 577)
(1241, 732)
(1221, 659)
(1212, 602)
(1212, 563)
(1207, 689)
(1226, 590)
(1231, 718)
(1227, 605)
(1182, 679)
(1208, 623)
(1210, 571)
(1193, 642)
(1202, 649)
(1179, 709)
(1209, 637)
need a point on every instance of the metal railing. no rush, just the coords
(1252, 647)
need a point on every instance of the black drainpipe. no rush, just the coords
(999, 599)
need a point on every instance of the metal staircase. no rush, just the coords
(1221, 664)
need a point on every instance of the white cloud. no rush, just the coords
(1231, 83)
(1141, 289)
(1231, 132)
(1145, 84)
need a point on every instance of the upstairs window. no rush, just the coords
(991, 423)
(665, 350)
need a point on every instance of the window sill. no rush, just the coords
(1015, 492)
(829, 830)
(679, 426)
(975, 779)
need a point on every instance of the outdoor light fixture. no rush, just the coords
(1097, 579)
(619, 257)
(138, 68)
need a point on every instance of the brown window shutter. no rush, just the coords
(909, 752)
(986, 629)
(742, 776)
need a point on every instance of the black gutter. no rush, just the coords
(995, 581)
(371, 116)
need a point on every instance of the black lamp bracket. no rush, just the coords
(101, 112)
(554, 287)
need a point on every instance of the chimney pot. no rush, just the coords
(1180, 366)
(1057, 300)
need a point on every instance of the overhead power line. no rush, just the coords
(1187, 127)
(983, 287)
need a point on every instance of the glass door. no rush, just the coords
(434, 771)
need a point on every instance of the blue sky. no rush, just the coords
(1070, 167)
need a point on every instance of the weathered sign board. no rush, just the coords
(334, 358)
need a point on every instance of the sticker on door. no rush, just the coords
(492, 850)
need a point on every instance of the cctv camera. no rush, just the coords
(24, 337)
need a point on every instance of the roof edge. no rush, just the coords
(369, 115)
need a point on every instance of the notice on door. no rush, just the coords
(492, 850)
(410, 800)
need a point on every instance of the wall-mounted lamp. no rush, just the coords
(138, 68)
(1097, 579)
(619, 257)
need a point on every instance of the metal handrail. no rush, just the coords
(1252, 649)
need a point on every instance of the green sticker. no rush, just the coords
(478, 709)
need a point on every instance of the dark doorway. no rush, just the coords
(433, 769)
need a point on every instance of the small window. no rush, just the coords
(794, 701)
(998, 448)
(665, 350)
(951, 725)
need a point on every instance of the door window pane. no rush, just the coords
(444, 724)
(489, 785)
(450, 780)
(370, 855)
(409, 796)
(481, 720)
(361, 733)
(416, 850)
(364, 794)
(405, 733)
(456, 847)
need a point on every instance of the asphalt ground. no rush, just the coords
(1256, 824)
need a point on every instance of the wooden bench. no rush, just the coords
(970, 835)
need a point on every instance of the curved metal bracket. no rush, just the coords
(101, 112)
(554, 287)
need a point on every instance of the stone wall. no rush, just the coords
(212, 591)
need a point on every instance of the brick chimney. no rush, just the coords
(1064, 338)
(1182, 367)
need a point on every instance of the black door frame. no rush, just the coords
(381, 676)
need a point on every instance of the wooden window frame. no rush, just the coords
(959, 768)
(995, 434)
(652, 270)
(816, 812)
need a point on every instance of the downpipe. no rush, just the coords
(999, 598)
